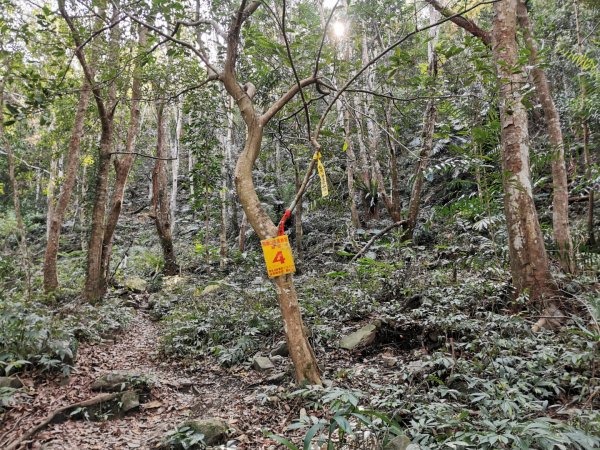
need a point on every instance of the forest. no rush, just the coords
(299, 224)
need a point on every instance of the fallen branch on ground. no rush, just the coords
(377, 236)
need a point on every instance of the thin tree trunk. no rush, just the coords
(528, 259)
(560, 199)
(305, 364)
(226, 145)
(299, 231)
(160, 197)
(428, 129)
(587, 162)
(56, 219)
(51, 187)
(123, 165)
(350, 164)
(242, 235)
(94, 287)
(16, 200)
(394, 179)
(175, 155)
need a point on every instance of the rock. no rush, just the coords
(281, 349)
(276, 377)
(210, 288)
(136, 284)
(398, 443)
(389, 361)
(120, 381)
(364, 336)
(413, 447)
(262, 363)
(10, 382)
(415, 368)
(213, 429)
(129, 400)
(277, 359)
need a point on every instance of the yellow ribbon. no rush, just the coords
(322, 176)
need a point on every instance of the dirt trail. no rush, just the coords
(174, 397)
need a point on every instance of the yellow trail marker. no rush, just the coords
(278, 256)
(322, 176)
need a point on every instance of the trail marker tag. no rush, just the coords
(278, 256)
(322, 176)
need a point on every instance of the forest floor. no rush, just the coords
(245, 399)
(454, 359)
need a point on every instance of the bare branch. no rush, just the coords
(318, 58)
(386, 51)
(172, 38)
(463, 22)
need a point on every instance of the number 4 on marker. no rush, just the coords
(279, 258)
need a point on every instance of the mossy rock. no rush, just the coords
(121, 381)
(213, 429)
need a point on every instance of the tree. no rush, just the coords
(428, 129)
(160, 194)
(528, 258)
(66, 190)
(95, 283)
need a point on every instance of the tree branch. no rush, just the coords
(463, 22)
(282, 101)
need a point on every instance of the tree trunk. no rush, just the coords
(123, 165)
(587, 162)
(175, 155)
(528, 259)
(51, 187)
(428, 129)
(15, 195)
(299, 232)
(394, 179)
(350, 164)
(305, 364)
(56, 219)
(242, 234)
(94, 287)
(160, 197)
(560, 199)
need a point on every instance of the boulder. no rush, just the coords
(10, 382)
(360, 338)
(129, 400)
(213, 429)
(398, 443)
(262, 363)
(121, 381)
(136, 284)
(281, 349)
(210, 288)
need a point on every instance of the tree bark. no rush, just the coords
(15, 194)
(160, 197)
(528, 259)
(175, 155)
(560, 199)
(56, 219)
(428, 129)
(587, 162)
(123, 165)
(94, 288)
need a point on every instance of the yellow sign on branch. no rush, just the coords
(278, 256)
(322, 176)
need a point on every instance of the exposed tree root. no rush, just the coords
(102, 398)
